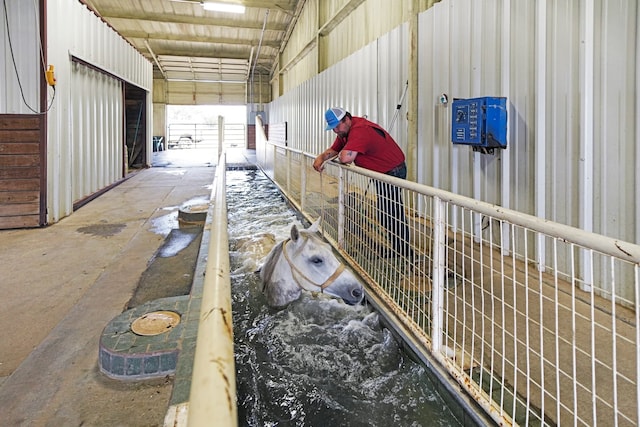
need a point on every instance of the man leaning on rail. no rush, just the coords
(369, 146)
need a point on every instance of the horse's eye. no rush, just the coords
(316, 260)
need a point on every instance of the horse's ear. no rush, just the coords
(315, 227)
(294, 233)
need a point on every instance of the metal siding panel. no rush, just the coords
(97, 142)
(23, 18)
(353, 83)
(426, 123)
(614, 104)
(490, 30)
(463, 63)
(563, 124)
(77, 106)
(94, 42)
(461, 67)
(393, 76)
(462, 53)
(521, 98)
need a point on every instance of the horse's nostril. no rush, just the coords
(357, 293)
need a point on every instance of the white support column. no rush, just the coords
(476, 87)
(438, 274)
(220, 135)
(586, 132)
(341, 192)
(505, 158)
(637, 132)
(304, 164)
(541, 122)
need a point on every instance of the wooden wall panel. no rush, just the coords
(251, 136)
(21, 180)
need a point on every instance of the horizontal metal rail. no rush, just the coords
(212, 399)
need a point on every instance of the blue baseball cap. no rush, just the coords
(333, 117)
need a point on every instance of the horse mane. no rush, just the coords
(270, 263)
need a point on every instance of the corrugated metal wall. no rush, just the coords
(327, 31)
(347, 86)
(85, 124)
(21, 122)
(20, 79)
(570, 73)
(97, 156)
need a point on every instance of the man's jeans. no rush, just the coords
(391, 213)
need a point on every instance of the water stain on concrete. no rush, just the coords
(103, 230)
(164, 224)
(190, 213)
(177, 240)
(170, 271)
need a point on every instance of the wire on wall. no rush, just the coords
(50, 81)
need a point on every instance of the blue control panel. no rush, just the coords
(480, 122)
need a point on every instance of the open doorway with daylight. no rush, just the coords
(135, 127)
(197, 127)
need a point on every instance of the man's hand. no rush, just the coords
(318, 163)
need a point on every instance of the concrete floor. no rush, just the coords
(62, 284)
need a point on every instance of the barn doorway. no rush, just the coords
(135, 127)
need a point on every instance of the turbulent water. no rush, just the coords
(318, 362)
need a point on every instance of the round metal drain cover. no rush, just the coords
(155, 323)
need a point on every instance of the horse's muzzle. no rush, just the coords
(357, 295)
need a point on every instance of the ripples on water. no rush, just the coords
(318, 362)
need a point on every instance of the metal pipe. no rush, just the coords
(398, 106)
(255, 62)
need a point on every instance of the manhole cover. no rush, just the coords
(193, 213)
(155, 323)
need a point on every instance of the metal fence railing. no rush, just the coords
(536, 320)
(200, 135)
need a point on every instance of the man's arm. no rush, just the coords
(328, 154)
(347, 156)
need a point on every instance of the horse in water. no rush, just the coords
(306, 262)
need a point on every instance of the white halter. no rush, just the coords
(294, 269)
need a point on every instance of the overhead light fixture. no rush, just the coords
(223, 7)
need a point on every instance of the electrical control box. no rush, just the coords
(479, 122)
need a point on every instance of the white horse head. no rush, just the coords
(306, 262)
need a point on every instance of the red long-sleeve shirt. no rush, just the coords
(376, 149)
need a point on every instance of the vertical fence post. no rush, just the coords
(220, 135)
(289, 160)
(341, 191)
(438, 274)
(303, 182)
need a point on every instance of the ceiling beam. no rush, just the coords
(196, 39)
(208, 53)
(153, 55)
(186, 19)
(286, 6)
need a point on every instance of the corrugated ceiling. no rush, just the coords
(185, 42)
